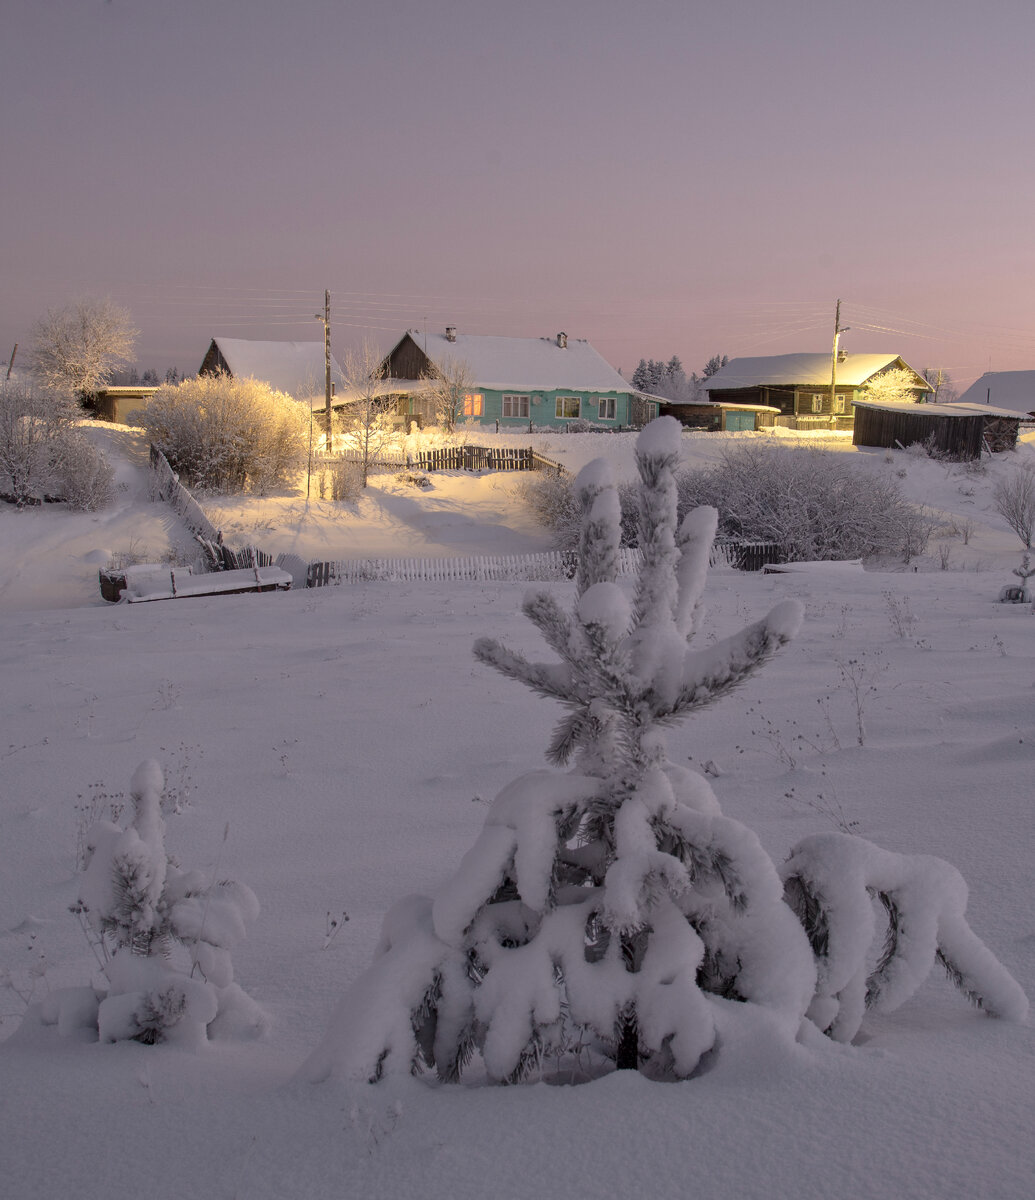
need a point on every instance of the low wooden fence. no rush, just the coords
(165, 485)
(450, 458)
(552, 565)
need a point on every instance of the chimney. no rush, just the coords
(562, 341)
(450, 333)
(842, 355)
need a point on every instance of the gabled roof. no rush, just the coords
(801, 370)
(1007, 389)
(524, 364)
(293, 367)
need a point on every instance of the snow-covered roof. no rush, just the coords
(956, 409)
(293, 367)
(1008, 389)
(798, 370)
(526, 364)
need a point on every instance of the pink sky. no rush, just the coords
(660, 178)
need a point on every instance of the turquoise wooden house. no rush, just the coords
(512, 382)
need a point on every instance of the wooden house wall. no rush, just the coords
(214, 363)
(960, 436)
(408, 361)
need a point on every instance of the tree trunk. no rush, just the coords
(628, 1056)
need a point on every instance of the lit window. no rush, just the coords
(817, 402)
(515, 406)
(473, 404)
(607, 408)
(569, 407)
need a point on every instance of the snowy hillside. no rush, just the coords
(335, 749)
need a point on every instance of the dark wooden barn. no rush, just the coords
(959, 430)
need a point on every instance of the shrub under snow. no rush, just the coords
(225, 434)
(163, 934)
(813, 503)
(610, 914)
(44, 452)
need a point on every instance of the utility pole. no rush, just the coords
(10, 365)
(326, 318)
(833, 360)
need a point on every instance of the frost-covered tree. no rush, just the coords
(714, 365)
(609, 914)
(895, 386)
(78, 347)
(366, 421)
(1014, 499)
(163, 936)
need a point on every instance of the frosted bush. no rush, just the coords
(37, 430)
(225, 434)
(813, 503)
(85, 479)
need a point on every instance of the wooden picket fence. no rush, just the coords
(482, 568)
(450, 458)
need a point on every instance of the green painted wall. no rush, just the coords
(542, 409)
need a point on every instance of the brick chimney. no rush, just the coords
(450, 333)
(562, 341)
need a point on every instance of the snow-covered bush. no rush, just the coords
(163, 935)
(1014, 499)
(226, 434)
(86, 481)
(814, 503)
(38, 434)
(610, 915)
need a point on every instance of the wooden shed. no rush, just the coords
(121, 404)
(959, 430)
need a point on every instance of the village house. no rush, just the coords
(1013, 390)
(513, 382)
(794, 390)
(296, 368)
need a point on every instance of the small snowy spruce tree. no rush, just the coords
(610, 914)
(163, 936)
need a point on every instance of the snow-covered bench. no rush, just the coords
(154, 581)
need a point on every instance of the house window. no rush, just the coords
(569, 407)
(840, 404)
(817, 402)
(473, 404)
(515, 406)
(607, 408)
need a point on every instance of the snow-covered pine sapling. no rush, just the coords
(609, 908)
(163, 936)
(834, 881)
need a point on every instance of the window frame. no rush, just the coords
(817, 403)
(612, 406)
(524, 405)
(564, 416)
(474, 404)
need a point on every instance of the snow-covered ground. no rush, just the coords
(348, 740)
